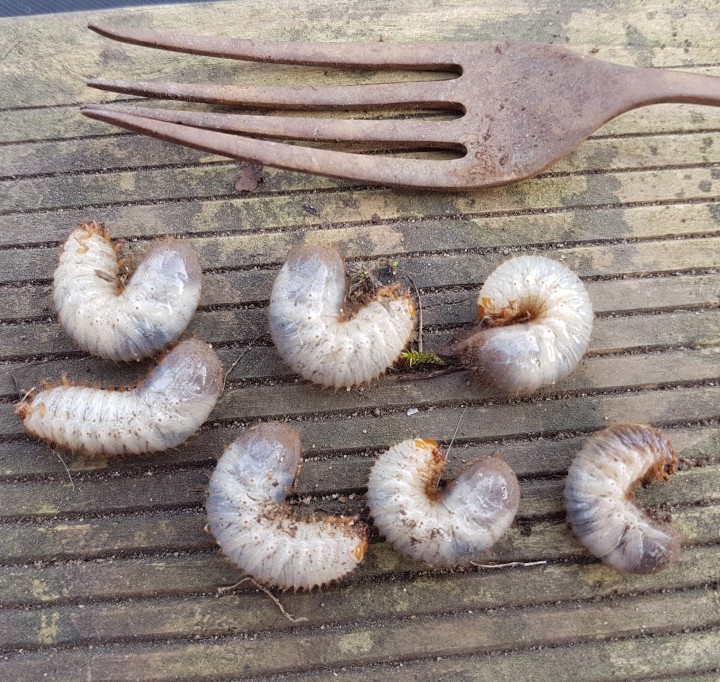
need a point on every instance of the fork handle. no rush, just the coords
(657, 86)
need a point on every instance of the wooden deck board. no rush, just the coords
(69, 178)
(107, 572)
(456, 635)
(355, 206)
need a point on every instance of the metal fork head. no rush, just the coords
(522, 107)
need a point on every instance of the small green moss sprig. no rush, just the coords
(421, 357)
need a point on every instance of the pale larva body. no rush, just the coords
(448, 528)
(598, 496)
(259, 532)
(128, 323)
(540, 319)
(161, 412)
(313, 335)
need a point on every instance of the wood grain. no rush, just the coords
(107, 572)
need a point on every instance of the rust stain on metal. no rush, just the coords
(521, 107)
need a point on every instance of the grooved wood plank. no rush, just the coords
(107, 572)
(234, 214)
(593, 374)
(110, 536)
(186, 487)
(262, 362)
(399, 239)
(709, 676)
(612, 334)
(26, 541)
(614, 259)
(611, 296)
(69, 190)
(495, 236)
(632, 659)
(180, 489)
(596, 373)
(457, 635)
(247, 611)
(245, 326)
(73, 53)
(549, 453)
(172, 576)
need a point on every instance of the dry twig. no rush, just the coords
(509, 564)
(262, 588)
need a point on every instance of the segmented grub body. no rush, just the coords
(444, 528)
(161, 412)
(131, 322)
(259, 531)
(598, 492)
(314, 335)
(536, 324)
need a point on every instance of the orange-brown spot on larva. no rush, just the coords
(83, 247)
(484, 308)
(662, 469)
(124, 267)
(124, 262)
(411, 306)
(93, 227)
(437, 454)
(432, 471)
(394, 292)
(360, 549)
(512, 313)
(41, 408)
(88, 231)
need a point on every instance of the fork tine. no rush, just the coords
(430, 93)
(415, 133)
(360, 55)
(434, 174)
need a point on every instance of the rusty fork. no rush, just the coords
(521, 106)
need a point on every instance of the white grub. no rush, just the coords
(161, 412)
(257, 529)
(536, 324)
(128, 323)
(321, 341)
(444, 528)
(598, 493)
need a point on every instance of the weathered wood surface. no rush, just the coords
(106, 571)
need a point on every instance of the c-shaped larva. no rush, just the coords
(128, 323)
(598, 493)
(318, 339)
(162, 411)
(259, 532)
(537, 319)
(444, 528)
